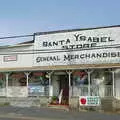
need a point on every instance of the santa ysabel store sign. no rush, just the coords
(89, 100)
(95, 46)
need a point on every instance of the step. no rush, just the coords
(59, 107)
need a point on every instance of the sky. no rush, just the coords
(24, 17)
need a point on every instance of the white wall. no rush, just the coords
(100, 47)
(55, 84)
(23, 53)
(117, 83)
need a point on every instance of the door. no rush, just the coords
(64, 86)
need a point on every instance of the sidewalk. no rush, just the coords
(16, 113)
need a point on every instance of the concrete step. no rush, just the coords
(106, 103)
(23, 103)
(59, 107)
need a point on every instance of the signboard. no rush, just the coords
(89, 100)
(36, 89)
(10, 58)
(93, 46)
(99, 56)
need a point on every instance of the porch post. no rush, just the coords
(7, 75)
(89, 85)
(69, 74)
(50, 87)
(113, 78)
(27, 78)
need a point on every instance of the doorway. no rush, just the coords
(60, 84)
(64, 89)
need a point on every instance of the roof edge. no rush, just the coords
(70, 30)
(16, 45)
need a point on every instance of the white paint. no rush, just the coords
(81, 59)
(113, 78)
(60, 96)
(113, 32)
(58, 54)
(55, 84)
(6, 75)
(117, 84)
(24, 58)
(50, 90)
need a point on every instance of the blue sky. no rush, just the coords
(21, 17)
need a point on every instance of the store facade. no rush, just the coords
(63, 65)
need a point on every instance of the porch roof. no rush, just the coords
(62, 67)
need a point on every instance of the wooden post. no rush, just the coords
(89, 85)
(27, 79)
(7, 76)
(113, 78)
(69, 76)
(50, 87)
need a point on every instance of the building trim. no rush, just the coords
(61, 67)
(72, 30)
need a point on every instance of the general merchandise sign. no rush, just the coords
(94, 46)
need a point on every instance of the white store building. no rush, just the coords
(63, 64)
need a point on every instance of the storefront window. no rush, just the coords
(2, 80)
(101, 82)
(2, 84)
(101, 77)
(80, 78)
(38, 83)
(17, 79)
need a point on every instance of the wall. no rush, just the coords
(55, 84)
(74, 103)
(117, 83)
(18, 56)
(93, 46)
(41, 101)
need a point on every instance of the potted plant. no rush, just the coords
(54, 100)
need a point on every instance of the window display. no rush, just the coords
(80, 78)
